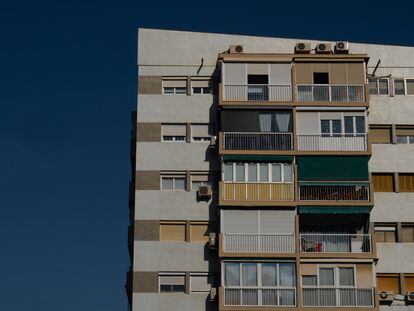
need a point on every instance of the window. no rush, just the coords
(380, 134)
(388, 283)
(346, 277)
(383, 182)
(199, 132)
(326, 276)
(200, 282)
(231, 274)
(354, 125)
(399, 87)
(309, 280)
(258, 172)
(174, 86)
(249, 274)
(320, 78)
(409, 86)
(257, 88)
(406, 181)
(172, 283)
(172, 231)
(173, 182)
(332, 277)
(199, 231)
(409, 283)
(405, 134)
(199, 180)
(331, 127)
(201, 86)
(173, 132)
(385, 233)
(407, 233)
(378, 86)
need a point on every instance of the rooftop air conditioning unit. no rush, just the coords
(323, 48)
(212, 240)
(213, 140)
(302, 48)
(236, 49)
(205, 191)
(213, 294)
(410, 296)
(386, 297)
(342, 47)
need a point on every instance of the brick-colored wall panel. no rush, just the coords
(147, 180)
(148, 131)
(147, 230)
(145, 282)
(149, 85)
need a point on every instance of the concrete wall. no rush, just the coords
(395, 257)
(393, 207)
(166, 301)
(392, 157)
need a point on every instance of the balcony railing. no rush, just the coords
(257, 141)
(257, 92)
(258, 243)
(335, 243)
(259, 296)
(244, 191)
(330, 93)
(338, 142)
(333, 192)
(337, 297)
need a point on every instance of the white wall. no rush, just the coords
(393, 207)
(392, 157)
(390, 263)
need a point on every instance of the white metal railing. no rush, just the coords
(334, 192)
(257, 141)
(258, 243)
(337, 297)
(330, 93)
(258, 191)
(335, 243)
(259, 296)
(257, 92)
(336, 142)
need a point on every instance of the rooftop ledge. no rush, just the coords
(285, 57)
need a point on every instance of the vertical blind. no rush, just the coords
(383, 182)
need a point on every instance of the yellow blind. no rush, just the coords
(409, 283)
(406, 182)
(172, 231)
(383, 182)
(199, 232)
(380, 135)
(388, 284)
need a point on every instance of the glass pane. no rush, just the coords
(252, 172)
(276, 173)
(228, 172)
(411, 139)
(326, 276)
(264, 172)
(399, 87)
(410, 86)
(168, 90)
(232, 274)
(336, 126)
(207, 90)
(249, 274)
(269, 274)
(309, 280)
(401, 139)
(179, 184)
(325, 128)
(346, 276)
(239, 172)
(372, 86)
(195, 185)
(360, 124)
(349, 125)
(286, 274)
(196, 90)
(167, 183)
(288, 172)
(383, 86)
(180, 90)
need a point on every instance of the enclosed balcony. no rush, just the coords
(337, 297)
(334, 191)
(336, 142)
(256, 130)
(330, 93)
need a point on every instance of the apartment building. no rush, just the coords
(271, 174)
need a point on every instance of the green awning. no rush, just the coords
(333, 183)
(256, 158)
(334, 209)
(324, 168)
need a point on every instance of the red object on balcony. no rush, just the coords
(318, 247)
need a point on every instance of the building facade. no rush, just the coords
(271, 174)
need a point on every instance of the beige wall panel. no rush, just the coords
(148, 131)
(145, 282)
(308, 269)
(303, 72)
(356, 73)
(146, 230)
(257, 69)
(149, 85)
(364, 277)
(320, 67)
(280, 73)
(307, 123)
(147, 180)
(337, 73)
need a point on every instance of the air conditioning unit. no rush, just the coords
(323, 48)
(410, 297)
(213, 141)
(236, 49)
(342, 47)
(212, 240)
(303, 48)
(205, 191)
(213, 294)
(386, 296)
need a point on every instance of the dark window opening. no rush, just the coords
(321, 78)
(257, 79)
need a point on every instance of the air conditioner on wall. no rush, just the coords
(342, 47)
(212, 240)
(213, 294)
(213, 140)
(323, 48)
(302, 48)
(386, 296)
(205, 191)
(410, 297)
(236, 49)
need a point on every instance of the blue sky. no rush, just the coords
(67, 86)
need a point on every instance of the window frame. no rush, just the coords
(210, 280)
(405, 86)
(390, 227)
(161, 274)
(335, 274)
(378, 87)
(173, 177)
(258, 175)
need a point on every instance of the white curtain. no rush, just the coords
(282, 121)
(265, 120)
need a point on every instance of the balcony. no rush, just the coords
(337, 297)
(259, 296)
(330, 93)
(338, 142)
(257, 92)
(256, 192)
(335, 243)
(257, 141)
(258, 243)
(331, 191)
